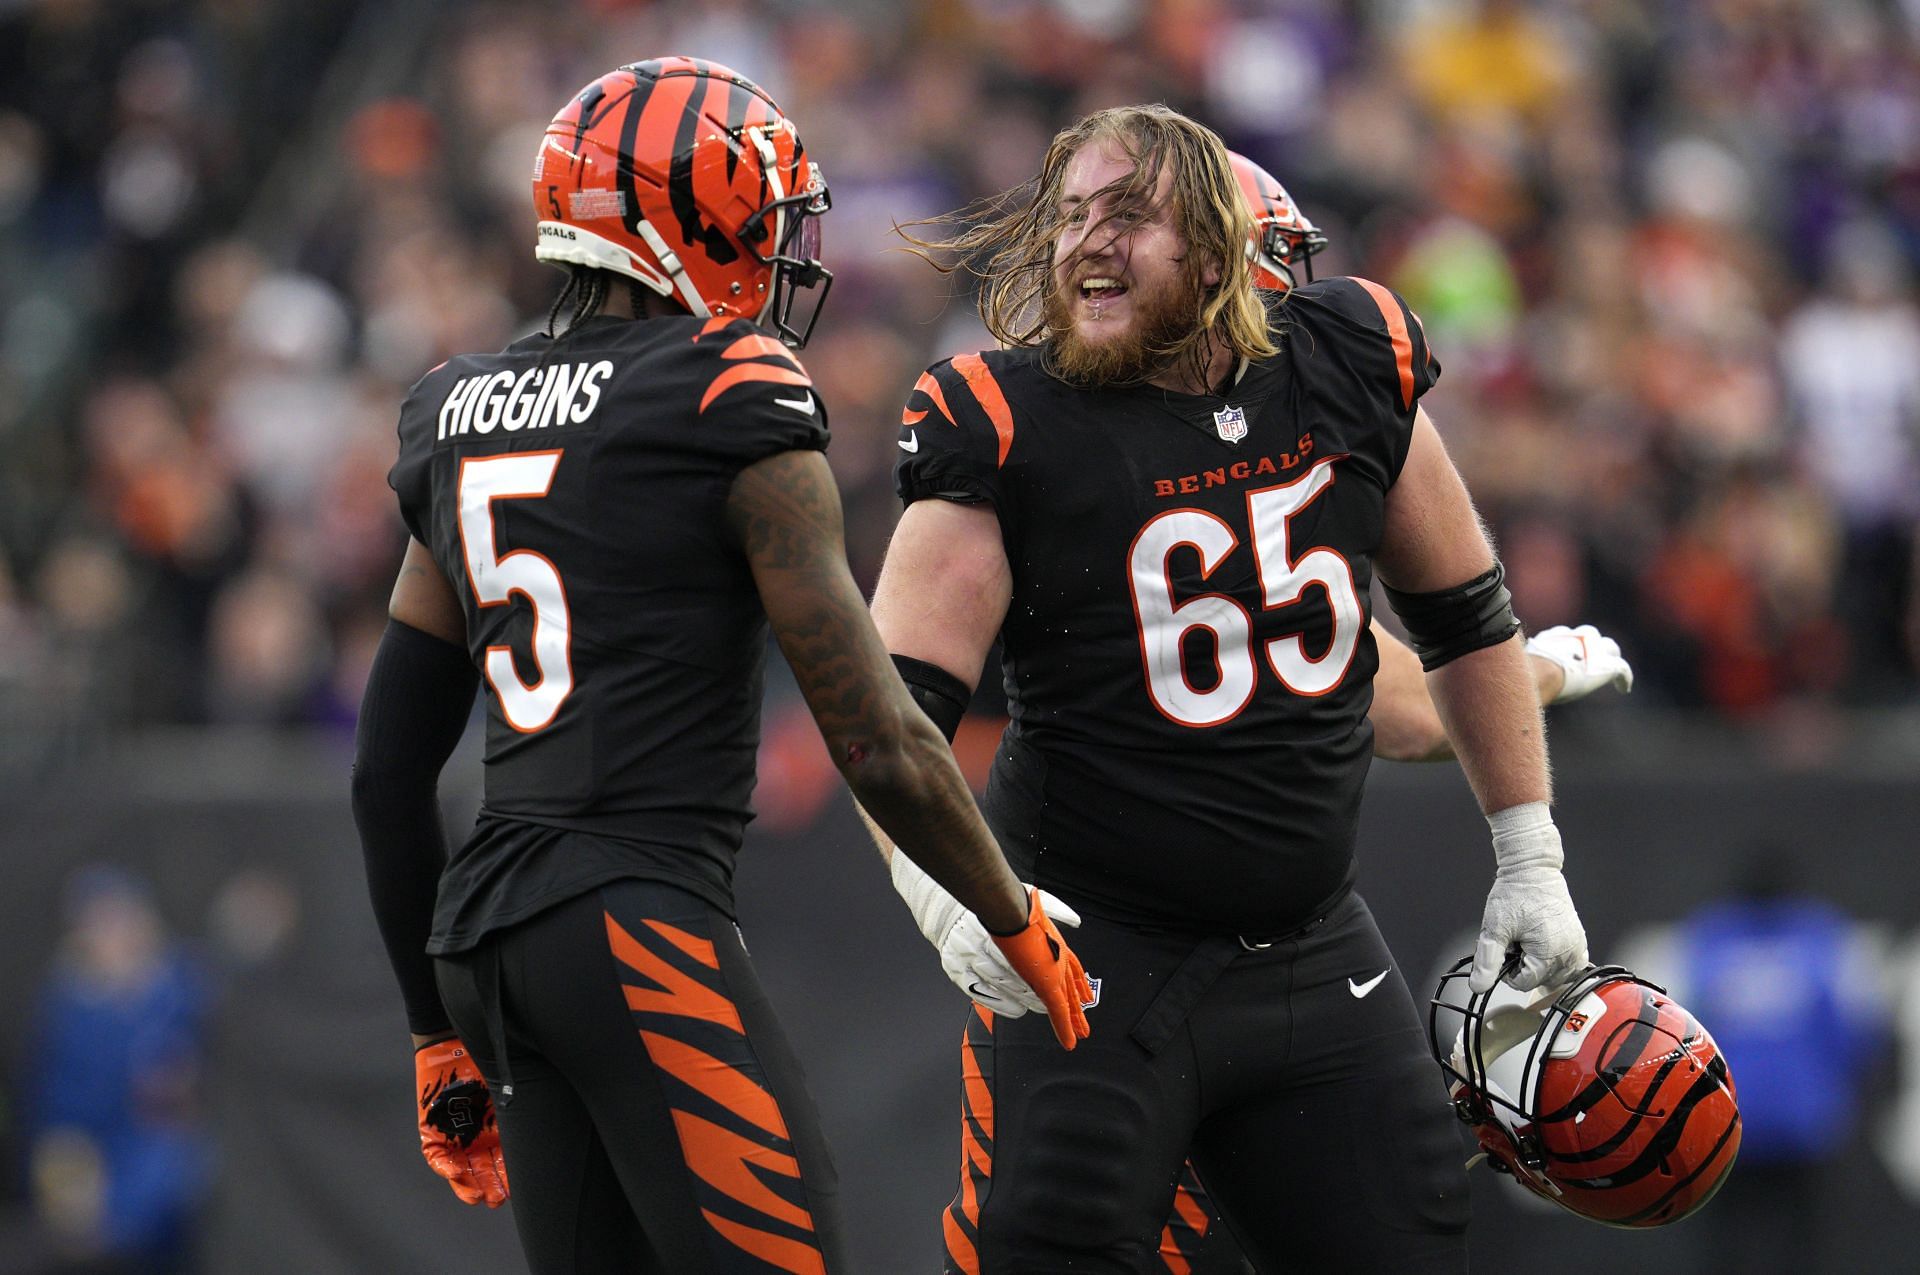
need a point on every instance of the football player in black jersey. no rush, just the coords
(607, 519)
(1568, 663)
(1169, 500)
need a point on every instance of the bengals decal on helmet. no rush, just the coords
(1607, 1098)
(1282, 235)
(686, 176)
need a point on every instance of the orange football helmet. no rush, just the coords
(1608, 1099)
(1282, 235)
(687, 177)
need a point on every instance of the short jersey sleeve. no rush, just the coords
(754, 399)
(953, 435)
(412, 474)
(1376, 336)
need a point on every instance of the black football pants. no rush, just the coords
(653, 1117)
(1298, 1082)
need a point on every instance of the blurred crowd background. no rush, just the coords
(1666, 251)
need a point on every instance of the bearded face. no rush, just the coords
(1122, 294)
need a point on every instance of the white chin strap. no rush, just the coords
(670, 262)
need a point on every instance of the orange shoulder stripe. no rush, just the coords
(1397, 329)
(755, 346)
(743, 373)
(931, 388)
(980, 380)
(712, 326)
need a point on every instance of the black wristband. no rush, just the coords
(1448, 623)
(940, 695)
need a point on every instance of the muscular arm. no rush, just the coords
(943, 593)
(785, 512)
(1406, 726)
(1487, 701)
(423, 599)
(418, 696)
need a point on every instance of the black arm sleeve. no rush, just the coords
(940, 694)
(1449, 623)
(419, 694)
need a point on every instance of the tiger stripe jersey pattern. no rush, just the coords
(961, 1221)
(653, 1114)
(731, 1131)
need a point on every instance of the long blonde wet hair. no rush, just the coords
(1007, 240)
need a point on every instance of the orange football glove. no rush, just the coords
(1039, 955)
(458, 1135)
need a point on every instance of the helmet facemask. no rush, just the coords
(791, 223)
(1278, 247)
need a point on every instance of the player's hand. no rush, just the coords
(977, 966)
(1048, 966)
(1529, 913)
(968, 953)
(1589, 659)
(458, 1135)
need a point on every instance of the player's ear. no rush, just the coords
(1211, 273)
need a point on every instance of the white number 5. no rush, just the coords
(495, 579)
(1164, 623)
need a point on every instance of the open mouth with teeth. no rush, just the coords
(1100, 288)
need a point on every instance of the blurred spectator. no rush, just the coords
(1795, 999)
(1851, 359)
(119, 1162)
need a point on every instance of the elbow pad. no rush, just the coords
(940, 695)
(1446, 624)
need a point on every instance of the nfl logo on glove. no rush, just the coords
(1230, 423)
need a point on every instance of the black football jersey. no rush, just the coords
(1186, 657)
(573, 490)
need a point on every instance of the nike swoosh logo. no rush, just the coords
(911, 443)
(976, 991)
(1360, 990)
(798, 404)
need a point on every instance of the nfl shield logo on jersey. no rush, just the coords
(1230, 423)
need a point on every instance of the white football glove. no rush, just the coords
(967, 952)
(1589, 658)
(1529, 907)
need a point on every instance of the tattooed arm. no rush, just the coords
(785, 510)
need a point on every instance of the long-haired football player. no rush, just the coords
(606, 519)
(1168, 496)
(1567, 663)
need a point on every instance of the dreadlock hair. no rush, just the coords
(1006, 241)
(586, 291)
